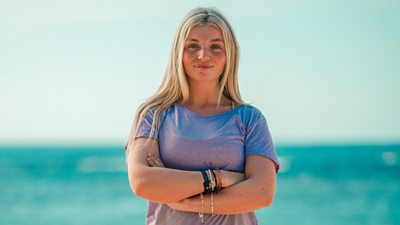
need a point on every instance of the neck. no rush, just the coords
(204, 95)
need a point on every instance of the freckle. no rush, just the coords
(263, 189)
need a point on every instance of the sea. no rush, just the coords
(316, 185)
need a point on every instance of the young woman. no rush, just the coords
(197, 152)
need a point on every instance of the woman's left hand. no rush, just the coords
(154, 160)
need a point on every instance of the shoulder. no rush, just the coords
(250, 113)
(158, 109)
(248, 108)
(156, 112)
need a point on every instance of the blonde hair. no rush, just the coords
(174, 87)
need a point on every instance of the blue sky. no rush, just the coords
(74, 72)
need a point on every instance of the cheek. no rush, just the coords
(219, 56)
(223, 60)
(186, 61)
(220, 59)
(187, 58)
(188, 55)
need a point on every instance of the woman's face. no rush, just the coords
(204, 54)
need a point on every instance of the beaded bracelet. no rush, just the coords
(213, 185)
(218, 180)
(213, 182)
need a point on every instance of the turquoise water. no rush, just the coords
(316, 185)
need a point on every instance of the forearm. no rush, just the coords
(246, 196)
(165, 185)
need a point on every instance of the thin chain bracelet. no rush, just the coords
(212, 203)
(213, 181)
(201, 214)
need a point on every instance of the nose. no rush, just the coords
(203, 54)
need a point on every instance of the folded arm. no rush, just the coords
(254, 193)
(159, 184)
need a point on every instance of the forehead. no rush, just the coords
(205, 32)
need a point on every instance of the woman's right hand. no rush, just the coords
(230, 178)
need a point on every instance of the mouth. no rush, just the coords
(203, 66)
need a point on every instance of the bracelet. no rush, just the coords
(213, 182)
(219, 179)
(207, 183)
(201, 213)
(212, 203)
(213, 185)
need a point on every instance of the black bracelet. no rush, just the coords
(207, 184)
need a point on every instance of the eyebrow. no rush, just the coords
(215, 39)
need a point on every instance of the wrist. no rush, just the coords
(224, 178)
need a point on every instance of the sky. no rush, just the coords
(322, 72)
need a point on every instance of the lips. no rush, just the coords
(203, 66)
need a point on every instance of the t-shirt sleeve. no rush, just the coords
(145, 126)
(258, 140)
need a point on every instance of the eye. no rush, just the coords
(192, 46)
(216, 47)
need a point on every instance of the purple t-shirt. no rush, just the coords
(190, 141)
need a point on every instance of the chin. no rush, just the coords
(203, 78)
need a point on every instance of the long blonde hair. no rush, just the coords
(174, 87)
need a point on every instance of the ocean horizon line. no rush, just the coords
(121, 145)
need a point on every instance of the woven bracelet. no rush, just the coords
(207, 184)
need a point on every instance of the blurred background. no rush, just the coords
(324, 73)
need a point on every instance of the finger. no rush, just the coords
(151, 164)
(154, 160)
(158, 161)
(150, 161)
